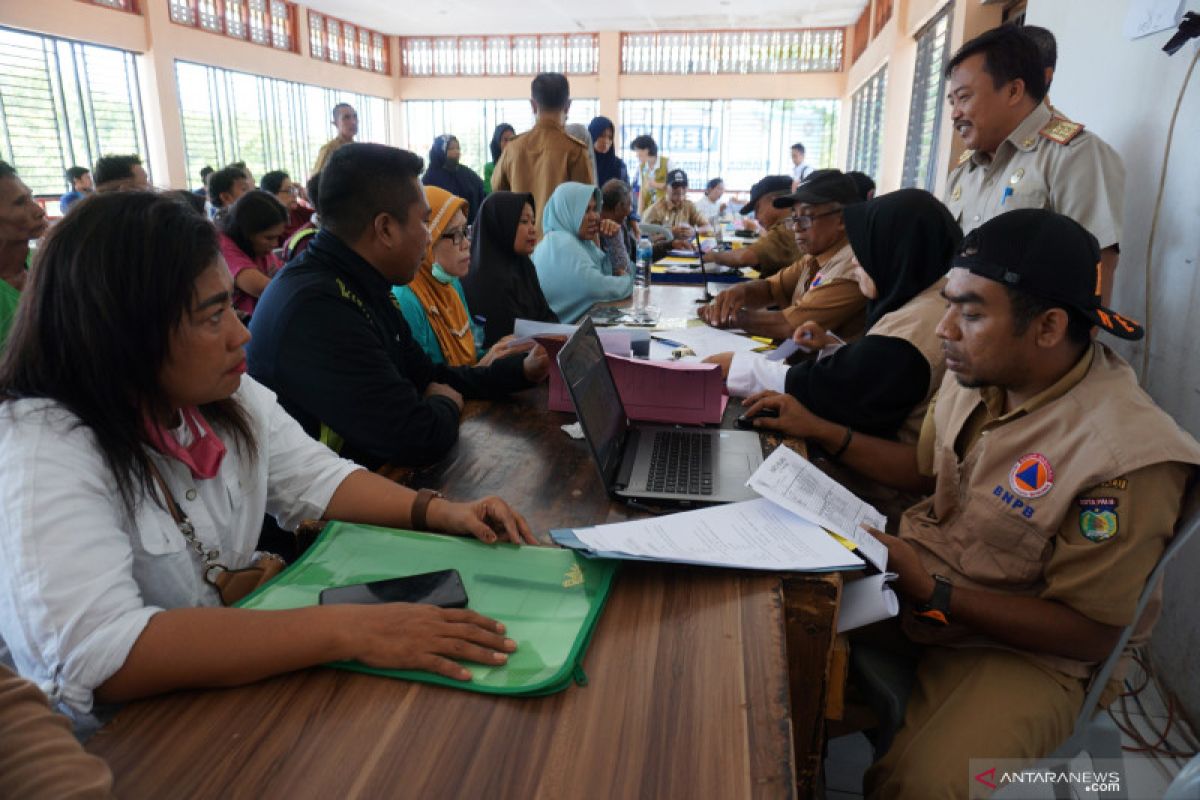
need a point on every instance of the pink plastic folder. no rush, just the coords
(684, 393)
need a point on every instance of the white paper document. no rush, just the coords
(617, 341)
(790, 481)
(754, 534)
(866, 601)
(705, 341)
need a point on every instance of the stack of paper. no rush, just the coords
(755, 534)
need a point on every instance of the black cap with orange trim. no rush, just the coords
(1046, 255)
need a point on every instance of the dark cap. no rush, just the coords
(768, 185)
(677, 177)
(1045, 255)
(822, 186)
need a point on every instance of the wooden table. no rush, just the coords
(703, 683)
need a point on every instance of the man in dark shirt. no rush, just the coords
(329, 339)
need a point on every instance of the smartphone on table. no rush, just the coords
(443, 588)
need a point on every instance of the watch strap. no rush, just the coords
(420, 508)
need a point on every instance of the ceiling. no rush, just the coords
(567, 16)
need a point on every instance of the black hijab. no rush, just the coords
(501, 285)
(904, 240)
(608, 165)
(497, 135)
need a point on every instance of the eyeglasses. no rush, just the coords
(458, 235)
(803, 222)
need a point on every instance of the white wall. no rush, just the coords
(1125, 91)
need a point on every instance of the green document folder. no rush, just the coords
(549, 599)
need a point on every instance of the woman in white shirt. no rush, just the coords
(124, 378)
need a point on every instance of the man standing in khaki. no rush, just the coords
(345, 119)
(540, 160)
(1022, 155)
(820, 287)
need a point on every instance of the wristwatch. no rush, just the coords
(936, 610)
(420, 506)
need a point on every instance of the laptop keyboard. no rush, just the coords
(681, 462)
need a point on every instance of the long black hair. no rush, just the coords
(252, 213)
(111, 283)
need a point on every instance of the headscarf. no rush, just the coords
(581, 133)
(503, 286)
(443, 307)
(608, 165)
(565, 210)
(574, 273)
(497, 134)
(904, 240)
(459, 180)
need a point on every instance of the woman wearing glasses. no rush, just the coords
(133, 450)
(434, 304)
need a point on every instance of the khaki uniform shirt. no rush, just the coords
(822, 288)
(325, 152)
(776, 249)
(1046, 162)
(663, 213)
(539, 161)
(39, 756)
(1032, 502)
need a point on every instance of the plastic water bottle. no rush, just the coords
(641, 275)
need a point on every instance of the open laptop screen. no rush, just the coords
(597, 402)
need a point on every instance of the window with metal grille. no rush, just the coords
(925, 113)
(64, 104)
(472, 123)
(731, 52)
(270, 124)
(570, 54)
(271, 23)
(866, 122)
(740, 141)
(120, 5)
(339, 42)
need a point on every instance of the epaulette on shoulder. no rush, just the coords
(1061, 130)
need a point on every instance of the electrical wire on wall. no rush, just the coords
(1189, 28)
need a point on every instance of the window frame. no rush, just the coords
(930, 70)
(866, 122)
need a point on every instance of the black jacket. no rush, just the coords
(329, 339)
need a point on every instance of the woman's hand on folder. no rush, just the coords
(487, 519)
(414, 636)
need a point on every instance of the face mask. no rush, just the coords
(203, 456)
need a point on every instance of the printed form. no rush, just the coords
(790, 481)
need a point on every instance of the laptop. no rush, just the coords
(685, 465)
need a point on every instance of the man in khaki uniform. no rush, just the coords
(1022, 155)
(539, 160)
(345, 119)
(773, 251)
(819, 287)
(1057, 483)
(676, 213)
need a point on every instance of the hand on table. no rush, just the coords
(914, 580)
(793, 420)
(441, 389)
(725, 360)
(723, 310)
(424, 637)
(487, 519)
(536, 365)
(505, 347)
(683, 233)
